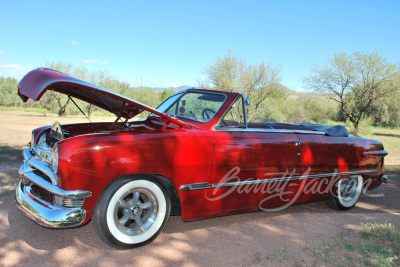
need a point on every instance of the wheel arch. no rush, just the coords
(162, 180)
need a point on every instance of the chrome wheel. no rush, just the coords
(347, 194)
(131, 213)
(136, 211)
(349, 190)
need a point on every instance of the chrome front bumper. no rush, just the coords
(41, 211)
(45, 214)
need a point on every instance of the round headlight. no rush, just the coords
(54, 159)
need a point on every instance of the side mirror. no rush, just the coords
(247, 102)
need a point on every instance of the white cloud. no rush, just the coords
(96, 61)
(13, 69)
(1, 52)
(74, 43)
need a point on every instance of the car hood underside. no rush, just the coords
(38, 81)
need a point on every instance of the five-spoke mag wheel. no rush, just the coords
(131, 213)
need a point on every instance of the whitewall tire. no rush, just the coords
(347, 193)
(131, 213)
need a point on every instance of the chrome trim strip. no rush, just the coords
(190, 187)
(27, 154)
(38, 164)
(308, 132)
(45, 214)
(380, 153)
(236, 129)
(198, 92)
(291, 178)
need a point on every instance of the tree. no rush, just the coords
(355, 81)
(386, 111)
(100, 78)
(256, 81)
(8, 86)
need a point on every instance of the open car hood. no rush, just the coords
(37, 82)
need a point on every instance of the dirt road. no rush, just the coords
(285, 238)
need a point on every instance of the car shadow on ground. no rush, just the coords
(49, 239)
(221, 238)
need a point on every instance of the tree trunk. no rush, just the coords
(89, 110)
(62, 109)
(355, 124)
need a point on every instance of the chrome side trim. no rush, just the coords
(190, 187)
(46, 214)
(231, 129)
(380, 153)
(292, 178)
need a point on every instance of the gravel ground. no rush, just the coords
(258, 238)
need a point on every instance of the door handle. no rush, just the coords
(294, 142)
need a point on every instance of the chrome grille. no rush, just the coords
(73, 202)
(41, 174)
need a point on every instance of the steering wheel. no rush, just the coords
(205, 114)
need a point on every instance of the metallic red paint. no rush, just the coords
(196, 153)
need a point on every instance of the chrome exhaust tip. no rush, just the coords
(385, 178)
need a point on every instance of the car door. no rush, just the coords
(247, 161)
(253, 168)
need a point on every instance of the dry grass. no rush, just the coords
(367, 244)
(390, 138)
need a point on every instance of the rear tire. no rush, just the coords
(347, 193)
(131, 213)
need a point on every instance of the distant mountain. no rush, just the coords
(176, 89)
(285, 89)
(184, 87)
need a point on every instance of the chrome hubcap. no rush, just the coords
(348, 188)
(135, 211)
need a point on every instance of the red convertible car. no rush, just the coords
(195, 156)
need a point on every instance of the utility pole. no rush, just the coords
(141, 84)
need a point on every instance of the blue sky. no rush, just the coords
(168, 43)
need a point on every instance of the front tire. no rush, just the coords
(131, 213)
(347, 193)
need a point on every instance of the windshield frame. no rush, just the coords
(192, 91)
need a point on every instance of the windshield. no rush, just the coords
(198, 106)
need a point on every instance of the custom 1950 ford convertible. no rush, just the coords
(195, 156)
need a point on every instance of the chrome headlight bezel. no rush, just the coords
(54, 159)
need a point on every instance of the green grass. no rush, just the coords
(390, 138)
(369, 244)
(36, 110)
